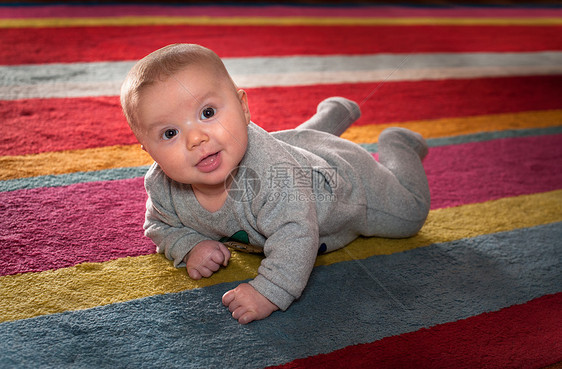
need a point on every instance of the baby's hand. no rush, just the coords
(246, 304)
(206, 258)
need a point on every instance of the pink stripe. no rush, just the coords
(59, 227)
(53, 228)
(483, 171)
(15, 12)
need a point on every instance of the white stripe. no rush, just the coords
(303, 79)
(104, 78)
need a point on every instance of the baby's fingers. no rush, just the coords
(241, 313)
(247, 317)
(206, 271)
(228, 297)
(218, 258)
(199, 272)
(221, 255)
(194, 273)
(226, 252)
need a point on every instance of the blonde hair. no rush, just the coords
(160, 65)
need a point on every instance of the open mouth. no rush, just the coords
(209, 162)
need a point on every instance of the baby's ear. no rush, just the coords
(243, 96)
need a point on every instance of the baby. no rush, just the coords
(293, 193)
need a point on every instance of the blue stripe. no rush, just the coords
(344, 304)
(134, 172)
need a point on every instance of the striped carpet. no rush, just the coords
(479, 286)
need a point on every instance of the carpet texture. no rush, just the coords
(479, 286)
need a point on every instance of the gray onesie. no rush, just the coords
(297, 193)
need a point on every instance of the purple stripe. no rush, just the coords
(270, 11)
(58, 227)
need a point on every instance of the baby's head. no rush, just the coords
(161, 65)
(188, 114)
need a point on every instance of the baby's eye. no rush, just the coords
(208, 113)
(169, 134)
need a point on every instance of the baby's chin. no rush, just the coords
(220, 184)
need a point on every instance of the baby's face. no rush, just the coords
(194, 125)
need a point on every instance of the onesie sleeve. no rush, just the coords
(162, 224)
(291, 228)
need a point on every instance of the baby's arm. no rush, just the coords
(172, 236)
(282, 276)
(206, 258)
(246, 304)
(291, 230)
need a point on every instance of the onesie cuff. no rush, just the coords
(180, 249)
(272, 292)
(177, 254)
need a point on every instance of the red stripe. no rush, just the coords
(88, 44)
(60, 227)
(519, 336)
(39, 125)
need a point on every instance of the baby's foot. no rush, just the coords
(412, 139)
(342, 113)
(334, 115)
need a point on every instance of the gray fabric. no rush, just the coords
(333, 115)
(315, 189)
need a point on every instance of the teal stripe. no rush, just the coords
(72, 178)
(134, 172)
(482, 137)
(344, 304)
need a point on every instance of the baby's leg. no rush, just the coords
(334, 115)
(399, 193)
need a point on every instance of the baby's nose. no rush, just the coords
(195, 137)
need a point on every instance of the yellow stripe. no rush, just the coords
(448, 127)
(61, 162)
(110, 157)
(274, 21)
(94, 284)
